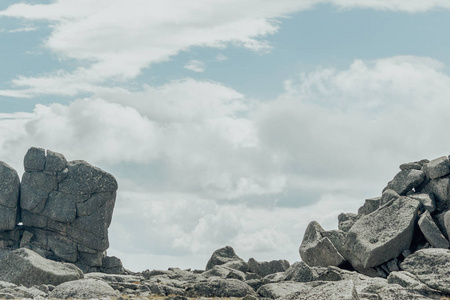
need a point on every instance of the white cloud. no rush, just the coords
(196, 66)
(413, 6)
(199, 166)
(221, 57)
(116, 40)
(23, 29)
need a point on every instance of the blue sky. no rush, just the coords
(226, 122)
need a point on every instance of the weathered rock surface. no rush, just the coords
(299, 272)
(267, 267)
(9, 197)
(317, 250)
(25, 267)
(66, 210)
(339, 290)
(370, 205)
(406, 180)
(430, 266)
(431, 231)
(83, 289)
(220, 288)
(222, 256)
(438, 167)
(382, 235)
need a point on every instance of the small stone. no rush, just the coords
(265, 268)
(431, 231)
(83, 289)
(411, 166)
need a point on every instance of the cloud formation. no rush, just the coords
(200, 166)
(196, 66)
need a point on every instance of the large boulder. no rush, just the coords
(317, 250)
(9, 197)
(25, 267)
(430, 266)
(438, 167)
(382, 235)
(406, 180)
(67, 209)
(299, 272)
(83, 289)
(222, 256)
(267, 267)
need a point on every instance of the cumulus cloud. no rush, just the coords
(201, 166)
(23, 29)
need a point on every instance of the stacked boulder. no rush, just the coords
(64, 213)
(413, 213)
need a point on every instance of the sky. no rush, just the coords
(226, 122)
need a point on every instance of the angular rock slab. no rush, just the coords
(222, 256)
(299, 272)
(431, 231)
(430, 266)
(83, 289)
(9, 196)
(382, 235)
(267, 267)
(25, 267)
(406, 180)
(318, 251)
(438, 167)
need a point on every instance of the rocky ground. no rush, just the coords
(395, 247)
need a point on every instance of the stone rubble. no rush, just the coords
(395, 247)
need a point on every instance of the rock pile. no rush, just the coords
(64, 212)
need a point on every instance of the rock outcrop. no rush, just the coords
(64, 213)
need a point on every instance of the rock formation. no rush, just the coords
(64, 213)
(395, 247)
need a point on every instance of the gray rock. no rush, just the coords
(440, 189)
(222, 256)
(220, 288)
(411, 166)
(254, 283)
(239, 265)
(406, 180)
(224, 272)
(60, 207)
(346, 221)
(382, 235)
(431, 231)
(438, 167)
(25, 267)
(83, 289)
(54, 163)
(265, 268)
(397, 292)
(370, 205)
(405, 279)
(300, 272)
(317, 250)
(327, 274)
(275, 277)
(112, 265)
(444, 222)
(278, 290)
(34, 190)
(83, 178)
(339, 290)
(392, 265)
(388, 196)
(426, 200)
(9, 186)
(34, 160)
(430, 266)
